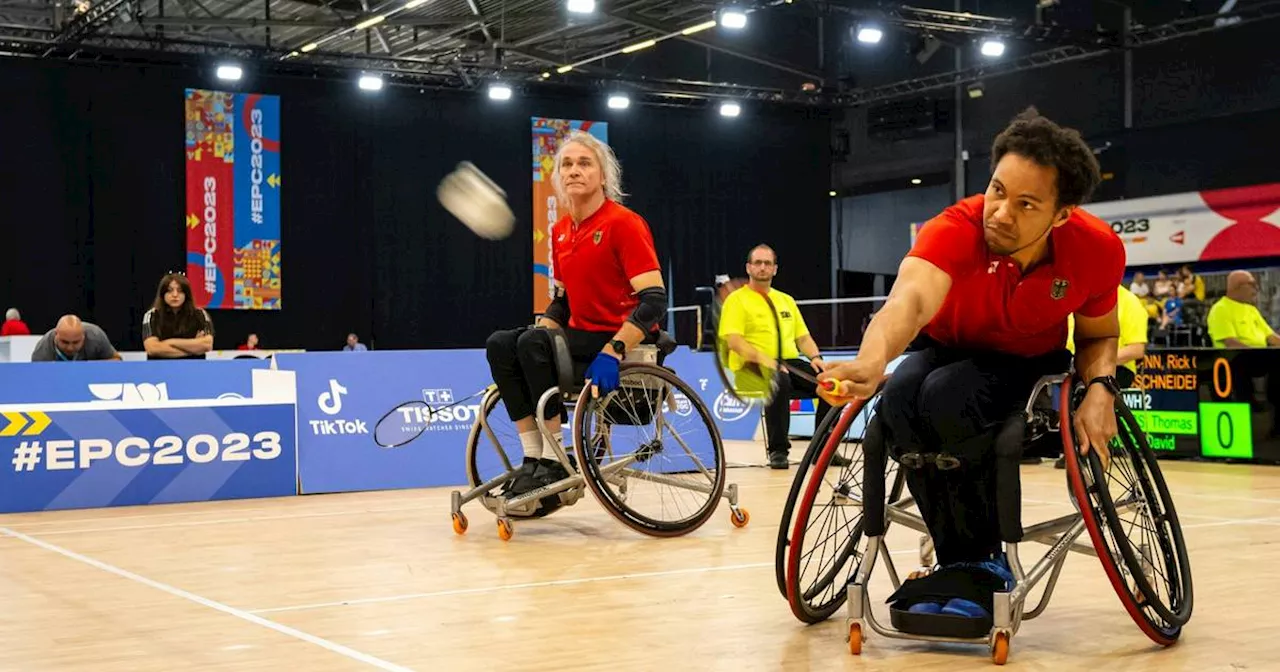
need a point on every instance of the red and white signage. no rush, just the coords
(1237, 223)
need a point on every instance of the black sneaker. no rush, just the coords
(523, 479)
(778, 460)
(550, 471)
(838, 460)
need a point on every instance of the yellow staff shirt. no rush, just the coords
(1242, 321)
(745, 312)
(1133, 323)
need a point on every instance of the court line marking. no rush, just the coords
(523, 586)
(1271, 520)
(174, 514)
(227, 521)
(204, 601)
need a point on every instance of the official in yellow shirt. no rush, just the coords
(1234, 321)
(745, 324)
(1133, 335)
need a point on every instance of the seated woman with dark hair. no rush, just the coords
(174, 328)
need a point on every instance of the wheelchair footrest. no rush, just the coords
(939, 625)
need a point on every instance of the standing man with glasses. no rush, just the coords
(746, 326)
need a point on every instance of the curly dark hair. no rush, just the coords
(1048, 144)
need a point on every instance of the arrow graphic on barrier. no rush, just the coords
(16, 423)
(39, 421)
(273, 180)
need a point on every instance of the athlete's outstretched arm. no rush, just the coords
(916, 297)
(1097, 339)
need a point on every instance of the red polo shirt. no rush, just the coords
(993, 306)
(595, 262)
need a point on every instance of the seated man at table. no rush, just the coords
(73, 340)
(1234, 321)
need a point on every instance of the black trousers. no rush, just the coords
(523, 367)
(777, 415)
(947, 400)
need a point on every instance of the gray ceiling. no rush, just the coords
(798, 52)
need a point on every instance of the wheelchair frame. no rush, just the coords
(1060, 534)
(569, 489)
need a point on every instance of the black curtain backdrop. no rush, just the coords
(92, 202)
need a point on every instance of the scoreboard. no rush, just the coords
(1210, 403)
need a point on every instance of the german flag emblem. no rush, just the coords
(33, 421)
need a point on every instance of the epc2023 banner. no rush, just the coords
(233, 199)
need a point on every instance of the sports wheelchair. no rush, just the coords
(628, 449)
(828, 543)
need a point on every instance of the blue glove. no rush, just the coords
(603, 373)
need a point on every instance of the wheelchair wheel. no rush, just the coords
(650, 452)
(826, 546)
(819, 441)
(493, 448)
(1133, 524)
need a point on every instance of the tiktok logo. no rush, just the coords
(331, 402)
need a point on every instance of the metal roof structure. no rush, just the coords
(623, 43)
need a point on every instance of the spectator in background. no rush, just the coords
(174, 328)
(1190, 285)
(1140, 287)
(250, 343)
(74, 341)
(1163, 287)
(354, 344)
(1172, 312)
(1235, 322)
(13, 324)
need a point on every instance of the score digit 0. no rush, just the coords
(1223, 391)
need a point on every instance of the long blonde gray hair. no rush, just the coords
(610, 169)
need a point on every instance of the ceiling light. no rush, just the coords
(638, 46)
(581, 6)
(370, 22)
(414, 4)
(370, 82)
(546, 75)
(735, 19)
(730, 109)
(499, 92)
(992, 48)
(915, 180)
(309, 47)
(619, 101)
(831, 193)
(229, 72)
(697, 28)
(870, 35)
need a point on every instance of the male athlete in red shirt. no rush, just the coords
(988, 287)
(609, 299)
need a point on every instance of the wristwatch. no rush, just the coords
(619, 346)
(1109, 382)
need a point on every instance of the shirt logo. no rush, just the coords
(992, 268)
(1059, 289)
(596, 238)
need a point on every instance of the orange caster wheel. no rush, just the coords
(739, 517)
(459, 523)
(855, 639)
(1000, 648)
(504, 530)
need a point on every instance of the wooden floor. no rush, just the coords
(380, 581)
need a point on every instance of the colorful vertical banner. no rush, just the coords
(233, 199)
(547, 136)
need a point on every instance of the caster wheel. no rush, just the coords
(459, 523)
(504, 529)
(740, 517)
(855, 639)
(1000, 648)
